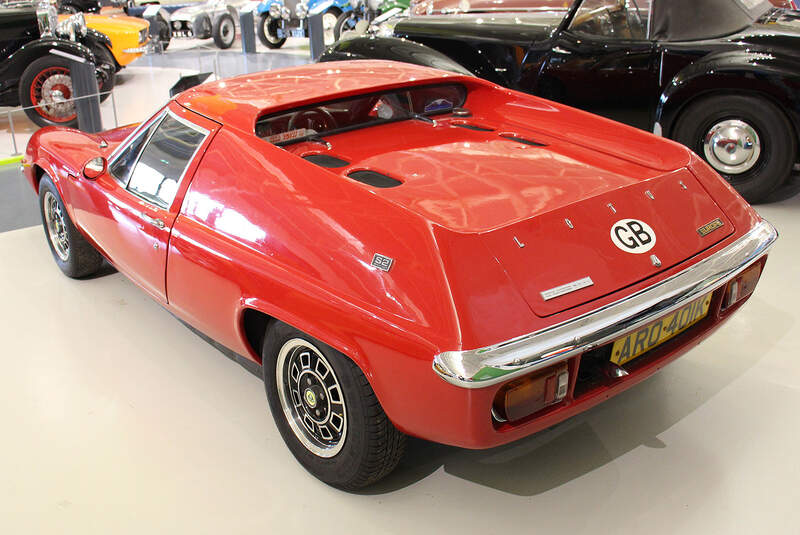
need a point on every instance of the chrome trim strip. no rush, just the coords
(486, 366)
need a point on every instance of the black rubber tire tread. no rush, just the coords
(778, 139)
(83, 259)
(164, 32)
(263, 22)
(216, 32)
(201, 27)
(26, 80)
(373, 446)
(340, 22)
(104, 56)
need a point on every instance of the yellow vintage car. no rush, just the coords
(128, 36)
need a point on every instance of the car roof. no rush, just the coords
(240, 101)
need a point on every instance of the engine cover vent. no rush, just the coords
(470, 126)
(375, 179)
(325, 160)
(512, 137)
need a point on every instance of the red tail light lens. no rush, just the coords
(742, 286)
(527, 395)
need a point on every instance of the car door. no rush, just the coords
(603, 62)
(129, 210)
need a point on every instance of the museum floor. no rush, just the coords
(118, 419)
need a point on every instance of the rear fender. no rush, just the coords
(757, 74)
(391, 48)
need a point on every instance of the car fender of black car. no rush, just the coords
(392, 48)
(12, 67)
(776, 78)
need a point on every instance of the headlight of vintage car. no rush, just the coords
(275, 11)
(47, 17)
(285, 13)
(374, 5)
(301, 10)
(73, 27)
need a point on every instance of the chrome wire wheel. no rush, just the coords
(56, 226)
(311, 398)
(328, 25)
(732, 146)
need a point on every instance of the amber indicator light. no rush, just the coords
(742, 286)
(527, 395)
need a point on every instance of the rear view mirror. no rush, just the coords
(94, 167)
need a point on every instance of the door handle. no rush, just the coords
(156, 222)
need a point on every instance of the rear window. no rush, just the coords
(361, 111)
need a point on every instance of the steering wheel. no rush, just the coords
(586, 17)
(318, 119)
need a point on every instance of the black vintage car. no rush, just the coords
(720, 76)
(35, 59)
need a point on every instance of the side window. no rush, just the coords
(163, 161)
(121, 167)
(613, 19)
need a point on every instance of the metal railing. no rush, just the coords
(10, 113)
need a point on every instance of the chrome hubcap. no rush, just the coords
(56, 228)
(328, 24)
(226, 30)
(311, 398)
(55, 92)
(732, 146)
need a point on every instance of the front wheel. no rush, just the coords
(46, 84)
(268, 32)
(747, 140)
(224, 31)
(74, 255)
(344, 23)
(329, 20)
(326, 411)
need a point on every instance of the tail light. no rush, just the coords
(532, 393)
(742, 286)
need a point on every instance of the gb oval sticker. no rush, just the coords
(633, 236)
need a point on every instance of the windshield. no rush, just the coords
(692, 20)
(361, 111)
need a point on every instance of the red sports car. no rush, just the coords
(405, 251)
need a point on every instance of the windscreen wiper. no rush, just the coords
(421, 117)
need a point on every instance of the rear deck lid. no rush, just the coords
(593, 247)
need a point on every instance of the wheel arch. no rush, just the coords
(778, 84)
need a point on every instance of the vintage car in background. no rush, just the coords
(34, 67)
(720, 76)
(280, 19)
(128, 37)
(215, 19)
(371, 12)
(408, 251)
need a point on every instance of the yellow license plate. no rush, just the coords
(643, 340)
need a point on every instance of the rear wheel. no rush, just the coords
(747, 140)
(268, 32)
(103, 56)
(326, 411)
(74, 255)
(224, 31)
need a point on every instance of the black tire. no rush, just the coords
(345, 22)
(370, 446)
(329, 37)
(778, 146)
(103, 56)
(267, 30)
(62, 115)
(79, 259)
(164, 32)
(201, 26)
(224, 31)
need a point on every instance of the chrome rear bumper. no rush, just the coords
(478, 368)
